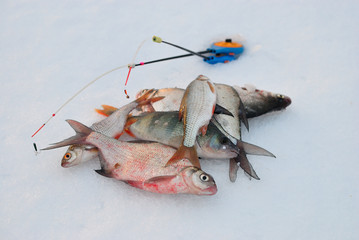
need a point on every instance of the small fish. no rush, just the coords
(228, 97)
(111, 126)
(141, 165)
(258, 102)
(197, 107)
(165, 128)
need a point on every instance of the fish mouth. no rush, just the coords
(210, 190)
(202, 78)
(287, 101)
(65, 164)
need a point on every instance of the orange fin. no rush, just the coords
(182, 110)
(185, 152)
(106, 111)
(148, 98)
(118, 136)
(203, 129)
(211, 87)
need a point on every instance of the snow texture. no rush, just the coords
(307, 50)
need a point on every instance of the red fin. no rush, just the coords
(129, 133)
(185, 152)
(118, 136)
(203, 129)
(130, 120)
(211, 87)
(106, 111)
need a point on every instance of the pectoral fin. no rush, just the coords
(221, 110)
(233, 169)
(242, 114)
(203, 130)
(189, 153)
(103, 173)
(160, 179)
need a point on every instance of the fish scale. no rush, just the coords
(141, 165)
(136, 161)
(164, 127)
(199, 107)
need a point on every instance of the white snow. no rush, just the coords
(307, 50)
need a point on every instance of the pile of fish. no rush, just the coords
(155, 142)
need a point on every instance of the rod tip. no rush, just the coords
(156, 39)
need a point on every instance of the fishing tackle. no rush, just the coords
(219, 52)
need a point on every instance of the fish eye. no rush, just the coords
(68, 156)
(280, 96)
(204, 177)
(224, 140)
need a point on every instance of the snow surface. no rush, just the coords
(307, 50)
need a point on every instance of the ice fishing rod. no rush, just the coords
(222, 52)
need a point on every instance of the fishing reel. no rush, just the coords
(225, 52)
(221, 52)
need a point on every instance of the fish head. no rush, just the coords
(216, 145)
(199, 182)
(273, 101)
(77, 154)
(281, 101)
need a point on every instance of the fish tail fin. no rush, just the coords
(246, 165)
(252, 149)
(106, 111)
(147, 99)
(80, 138)
(185, 152)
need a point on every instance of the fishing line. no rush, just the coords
(82, 89)
(132, 65)
(90, 83)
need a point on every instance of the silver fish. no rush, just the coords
(142, 165)
(228, 98)
(196, 110)
(165, 128)
(111, 126)
(258, 102)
